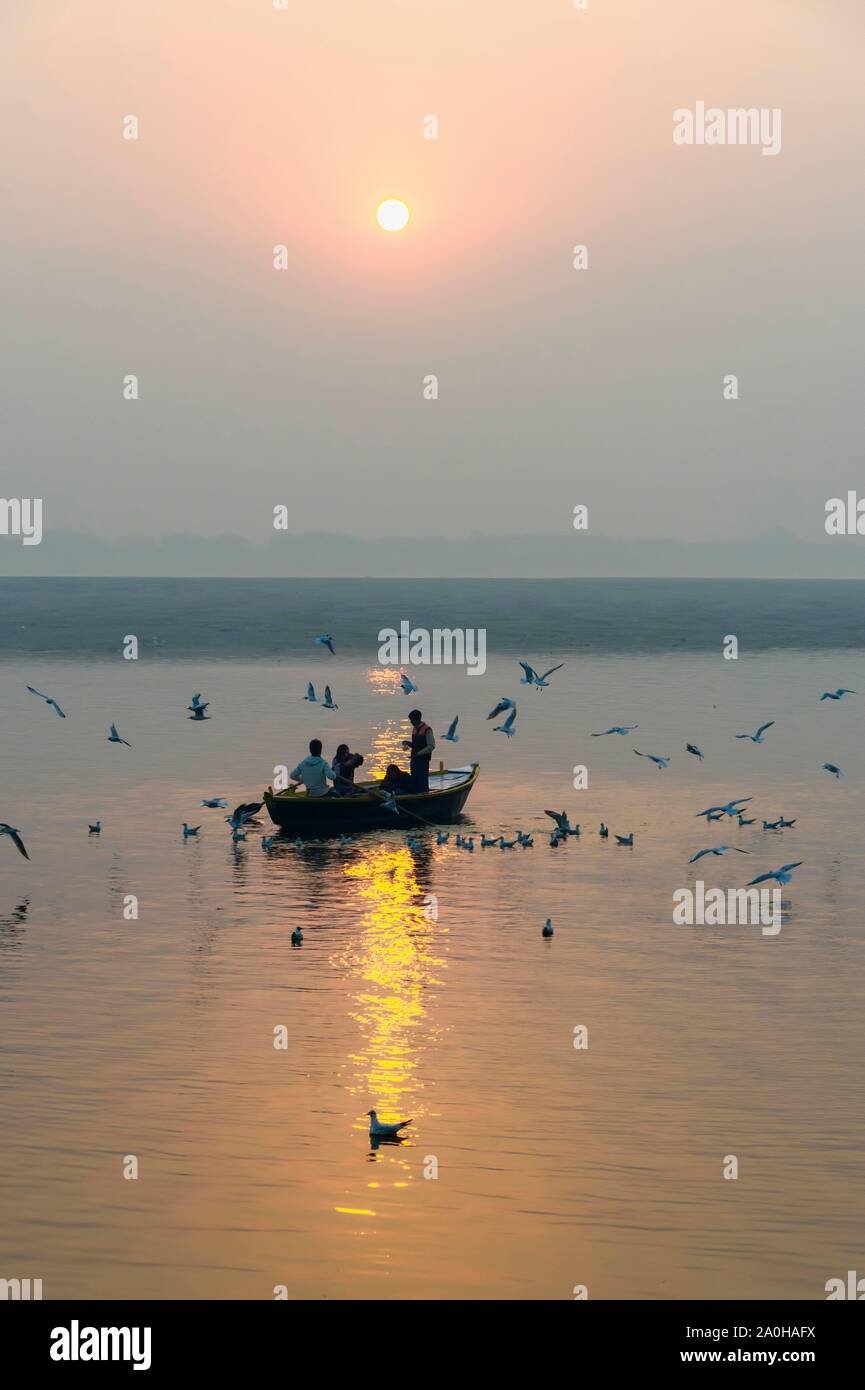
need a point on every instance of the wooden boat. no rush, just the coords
(324, 815)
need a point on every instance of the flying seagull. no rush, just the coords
(325, 640)
(48, 700)
(836, 771)
(532, 678)
(14, 837)
(719, 850)
(617, 729)
(310, 694)
(692, 748)
(508, 726)
(503, 704)
(758, 737)
(452, 736)
(729, 809)
(827, 694)
(654, 758)
(563, 824)
(213, 802)
(783, 875)
(407, 685)
(243, 813)
(114, 737)
(382, 1131)
(197, 702)
(327, 702)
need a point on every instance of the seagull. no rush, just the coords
(238, 834)
(310, 694)
(743, 821)
(728, 810)
(563, 824)
(381, 1131)
(506, 844)
(604, 832)
(297, 937)
(758, 737)
(783, 875)
(14, 837)
(692, 748)
(468, 844)
(325, 640)
(547, 928)
(654, 758)
(198, 713)
(827, 694)
(190, 830)
(527, 841)
(715, 815)
(266, 842)
(95, 829)
(243, 813)
(532, 678)
(452, 736)
(327, 702)
(442, 837)
(617, 729)
(48, 700)
(197, 702)
(626, 839)
(503, 704)
(114, 737)
(719, 850)
(836, 771)
(508, 726)
(408, 686)
(785, 824)
(459, 841)
(487, 841)
(213, 802)
(555, 839)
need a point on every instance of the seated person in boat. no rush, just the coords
(395, 780)
(421, 743)
(314, 772)
(344, 764)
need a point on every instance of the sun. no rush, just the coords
(392, 215)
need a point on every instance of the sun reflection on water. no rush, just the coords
(393, 967)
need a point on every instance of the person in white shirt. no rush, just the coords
(314, 772)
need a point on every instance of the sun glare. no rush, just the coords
(392, 215)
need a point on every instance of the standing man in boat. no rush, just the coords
(421, 743)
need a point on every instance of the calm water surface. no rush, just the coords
(556, 1167)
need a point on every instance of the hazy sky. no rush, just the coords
(304, 387)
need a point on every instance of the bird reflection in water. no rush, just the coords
(392, 967)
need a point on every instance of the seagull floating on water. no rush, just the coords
(626, 839)
(604, 832)
(452, 736)
(547, 928)
(531, 676)
(114, 737)
(14, 837)
(382, 1131)
(325, 640)
(692, 748)
(719, 850)
(783, 875)
(743, 821)
(95, 829)
(503, 704)
(213, 802)
(506, 844)
(836, 771)
(408, 686)
(297, 937)
(190, 830)
(487, 841)
(48, 700)
(617, 729)
(327, 702)
(199, 713)
(661, 761)
(442, 837)
(827, 694)
(508, 726)
(785, 824)
(758, 736)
